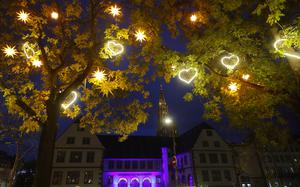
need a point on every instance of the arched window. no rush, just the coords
(146, 182)
(134, 182)
(122, 182)
(183, 180)
(191, 182)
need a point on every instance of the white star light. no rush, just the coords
(193, 18)
(54, 15)
(23, 16)
(233, 87)
(99, 75)
(37, 63)
(9, 51)
(115, 11)
(140, 35)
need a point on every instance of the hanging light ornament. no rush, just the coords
(23, 16)
(245, 77)
(54, 15)
(115, 48)
(99, 75)
(233, 87)
(115, 11)
(9, 51)
(140, 35)
(28, 51)
(36, 63)
(70, 100)
(188, 75)
(230, 62)
(193, 18)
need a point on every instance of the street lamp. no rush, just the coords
(169, 122)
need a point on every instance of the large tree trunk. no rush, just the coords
(46, 147)
(15, 167)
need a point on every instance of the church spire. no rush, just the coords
(162, 129)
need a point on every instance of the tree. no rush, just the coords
(75, 48)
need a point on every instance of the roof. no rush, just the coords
(148, 146)
(134, 146)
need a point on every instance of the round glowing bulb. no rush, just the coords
(36, 63)
(140, 35)
(115, 11)
(23, 16)
(233, 87)
(168, 120)
(245, 77)
(9, 51)
(193, 18)
(54, 15)
(99, 75)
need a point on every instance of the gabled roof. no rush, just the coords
(148, 146)
(134, 146)
(186, 141)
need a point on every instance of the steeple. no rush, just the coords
(162, 129)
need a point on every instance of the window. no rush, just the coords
(205, 175)
(227, 175)
(85, 141)
(150, 164)
(57, 177)
(217, 144)
(224, 158)
(134, 164)
(60, 156)
(142, 164)
(90, 156)
(70, 140)
(185, 160)
(73, 177)
(75, 156)
(119, 164)
(158, 179)
(110, 179)
(127, 164)
(216, 175)
(268, 158)
(209, 133)
(205, 144)
(202, 158)
(88, 177)
(111, 164)
(213, 158)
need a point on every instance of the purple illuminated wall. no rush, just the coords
(165, 169)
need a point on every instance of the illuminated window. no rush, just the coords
(73, 177)
(158, 179)
(60, 157)
(75, 156)
(57, 177)
(88, 177)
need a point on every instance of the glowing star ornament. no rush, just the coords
(54, 15)
(188, 75)
(9, 51)
(28, 51)
(36, 63)
(233, 87)
(23, 16)
(193, 18)
(99, 75)
(70, 100)
(140, 35)
(245, 77)
(230, 62)
(115, 11)
(279, 41)
(115, 48)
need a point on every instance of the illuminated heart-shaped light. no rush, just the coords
(230, 62)
(188, 75)
(115, 48)
(72, 98)
(29, 51)
(277, 42)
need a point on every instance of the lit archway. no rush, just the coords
(135, 182)
(147, 182)
(122, 182)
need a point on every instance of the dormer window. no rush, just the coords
(86, 141)
(209, 133)
(70, 140)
